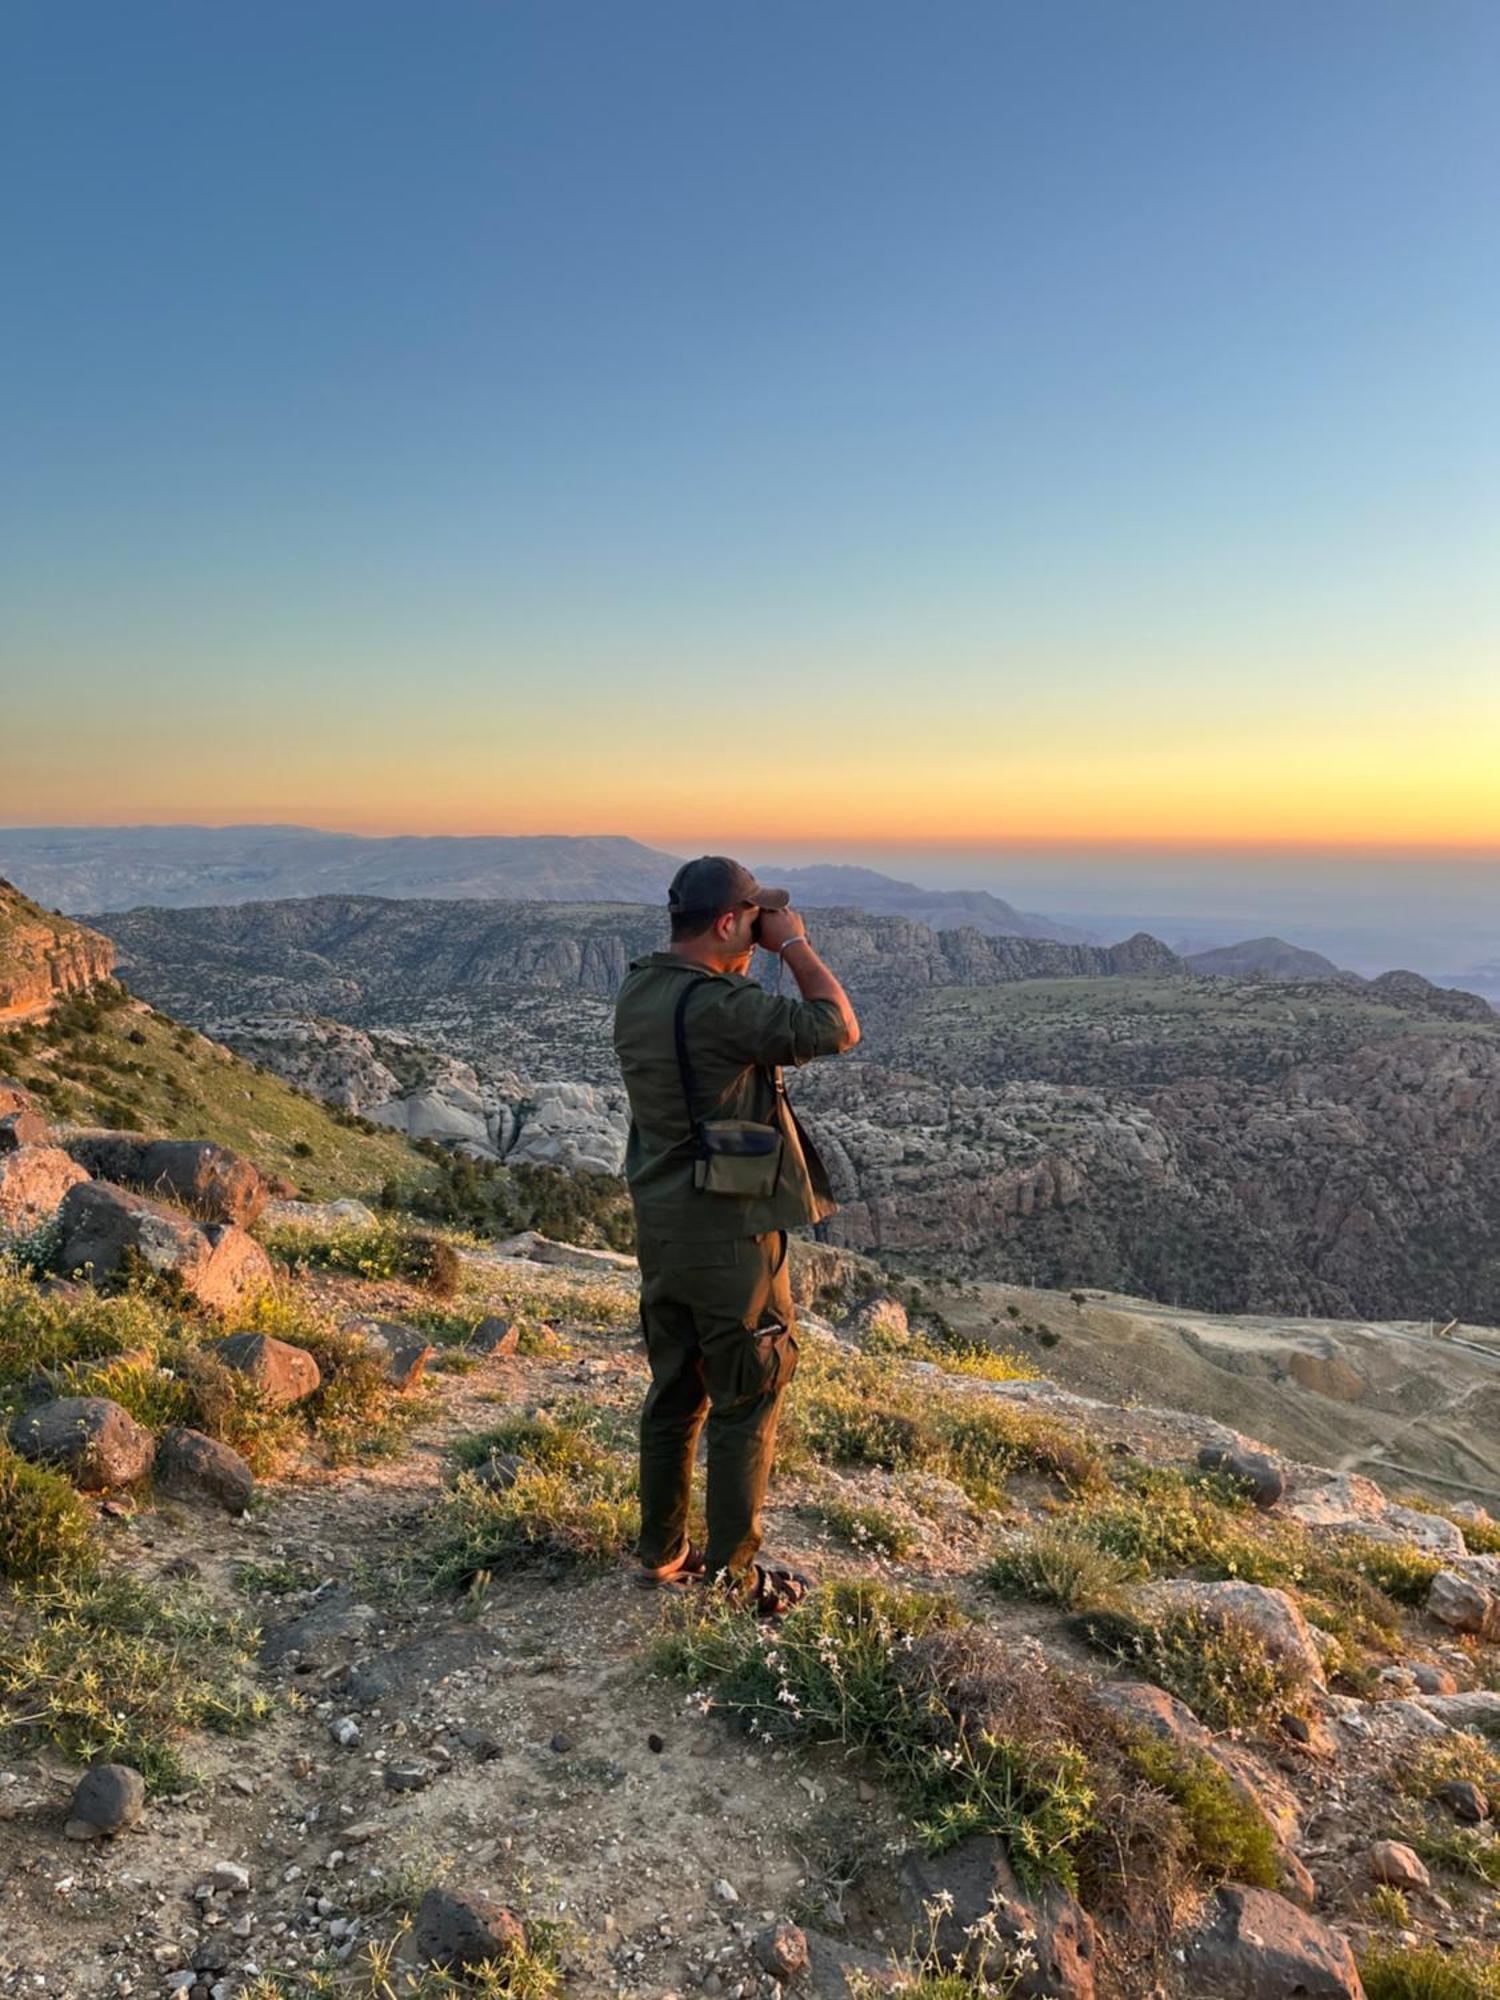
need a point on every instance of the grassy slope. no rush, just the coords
(175, 1083)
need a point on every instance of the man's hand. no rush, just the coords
(778, 927)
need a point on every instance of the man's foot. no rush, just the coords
(773, 1592)
(684, 1569)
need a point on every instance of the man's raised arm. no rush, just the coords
(783, 932)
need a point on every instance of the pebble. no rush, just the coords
(726, 1891)
(345, 1731)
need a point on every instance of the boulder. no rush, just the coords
(326, 1217)
(33, 1182)
(1260, 1476)
(1464, 1604)
(1258, 1946)
(197, 1467)
(974, 1881)
(25, 1127)
(105, 1228)
(458, 1927)
(535, 1248)
(96, 1443)
(401, 1351)
(1432, 1679)
(214, 1183)
(1271, 1615)
(1392, 1861)
(107, 1798)
(1474, 1708)
(282, 1374)
(494, 1335)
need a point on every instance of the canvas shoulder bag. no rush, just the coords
(733, 1156)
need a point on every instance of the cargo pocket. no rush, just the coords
(768, 1361)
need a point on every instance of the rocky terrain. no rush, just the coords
(43, 956)
(1018, 1108)
(322, 1671)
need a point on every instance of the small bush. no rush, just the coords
(1219, 1667)
(571, 1502)
(872, 1528)
(1466, 1850)
(112, 1669)
(1056, 1564)
(1428, 1972)
(45, 1530)
(1230, 1839)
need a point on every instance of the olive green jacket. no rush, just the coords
(738, 1037)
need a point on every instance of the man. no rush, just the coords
(719, 1171)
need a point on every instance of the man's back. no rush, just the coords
(738, 1036)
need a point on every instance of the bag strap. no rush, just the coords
(684, 1062)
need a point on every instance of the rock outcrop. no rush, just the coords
(105, 1230)
(44, 957)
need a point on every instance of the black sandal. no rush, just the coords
(777, 1591)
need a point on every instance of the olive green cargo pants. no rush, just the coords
(721, 1342)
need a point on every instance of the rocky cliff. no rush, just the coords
(44, 956)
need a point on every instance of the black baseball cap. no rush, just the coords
(714, 883)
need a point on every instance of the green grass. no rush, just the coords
(175, 1084)
(114, 1670)
(1058, 1563)
(45, 1529)
(1230, 1840)
(854, 1409)
(1427, 1972)
(1218, 1666)
(572, 1502)
(1463, 1850)
(872, 1529)
(378, 1251)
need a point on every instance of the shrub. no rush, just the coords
(1057, 1564)
(45, 1530)
(1428, 1972)
(868, 1527)
(571, 1502)
(1220, 1667)
(1230, 1839)
(112, 1669)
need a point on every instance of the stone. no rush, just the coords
(1273, 1617)
(345, 1731)
(1465, 1801)
(215, 1184)
(458, 1927)
(24, 1127)
(106, 1799)
(1260, 1476)
(282, 1374)
(105, 1228)
(1431, 1679)
(499, 1471)
(781, 1950)
(494, 1335)
(401, 1351)
(334, 1620)
(413, 1777)
(97, 1444)
(1474, 1708)
(1258, 1946)
(534, 1248)
(194, 1466)
(975, 1880)
(34, 1180)
(322, 1217)
(1394, 1862)
(1464, 1604)
(1258, 1787)
(230, 1878)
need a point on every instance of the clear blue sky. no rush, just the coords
(439, 415)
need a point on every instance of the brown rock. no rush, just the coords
(1258, 1946)
(96, 1443)
(46, 956)
(105, 1227)
(494, 1335)
(458, 1927)
(1464, 1604)
(33, 1183)
(24, 1127)
(1394, 1862)
(283, 1374)
(1465, 1801)
(1256, 1472)
(1432, 1679)
(195, 1466)
(401, 1351)
(978, 1877)
(215, 1184)
(781, 1950)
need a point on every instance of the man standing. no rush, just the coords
(719, 1171)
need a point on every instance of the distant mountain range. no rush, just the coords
(183, 867)
(1264, 958)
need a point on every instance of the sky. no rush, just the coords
(839, 428)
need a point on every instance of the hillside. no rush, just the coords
(1266, 957)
